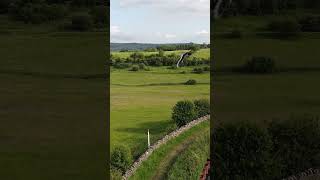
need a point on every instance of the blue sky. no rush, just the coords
(160, 21)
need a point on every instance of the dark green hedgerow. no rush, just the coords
(244, 150)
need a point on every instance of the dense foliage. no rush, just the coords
(296, 143)
(81, 22)
(202, 107)
(241, 151)
(36, 11)
(263, 7)
(183, 112)
(121, 158)
(191, 82)
(159, 59)
(259, 65)
(186, 111)
(244, 150)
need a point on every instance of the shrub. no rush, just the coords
(36, 12)
(134, 68)
(173, 67)
(202, 107)
(310, 24)
(198, 70)
(120, 65)
(284, 28)
(4, 5)
(206, 68)
(171, 127)
(81, 22)
(241, 151)
(115, 174)
(296, 143)
(260, 64)
(191, 82)
(121, 158)
(99, 15)
(183, 112)
(183, 72)
(142, 66)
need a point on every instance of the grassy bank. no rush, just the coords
(158, 164)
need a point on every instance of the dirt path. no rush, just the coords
(169, 159)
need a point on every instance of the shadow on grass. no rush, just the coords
(157, 84)
(157, 130)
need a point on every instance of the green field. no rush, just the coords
(263, 97)
(202, 53)
(169, 159)
(52, 119)
(143, 100)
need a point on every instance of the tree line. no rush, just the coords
(84, 14)
(260, 7)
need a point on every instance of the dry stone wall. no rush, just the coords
(160, 142)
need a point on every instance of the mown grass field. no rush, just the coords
(52, 124)
(251, 97)
(143, 100)
(202, 53)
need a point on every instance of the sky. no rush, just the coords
(160, 21)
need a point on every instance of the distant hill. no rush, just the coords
(141, 46)
(131, 46)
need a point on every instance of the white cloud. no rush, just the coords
(173, 6)
(203, 32)
(114, 29)
(170, 36)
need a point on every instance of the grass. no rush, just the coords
(190, 163)
(148, 168)
(52, 126)
(263, 97)
(202, 53)
(287, 53)
(143, 100)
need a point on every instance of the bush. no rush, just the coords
(310, 24)
(183, 72)
(296, 143)
(173, 67)
(241, 151)
(81, 22)
(183, 112)
(191, 82)
(120, 65)
(36, 12)
(202, 107)
(206, 68)
(121, 158)
(115, 174)
(4, 6)
(198, 70)
(99, 15)
(134, 68)
(260, 64)
(284, 28)
(142, 66)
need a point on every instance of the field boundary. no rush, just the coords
(160, 142)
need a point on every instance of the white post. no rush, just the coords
(148, 139)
